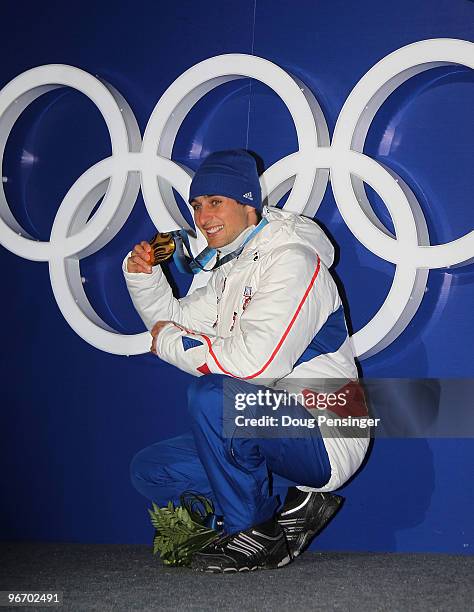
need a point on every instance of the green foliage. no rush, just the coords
(180, 531)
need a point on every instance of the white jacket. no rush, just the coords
(273, 313)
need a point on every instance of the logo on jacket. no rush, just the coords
(247, 297)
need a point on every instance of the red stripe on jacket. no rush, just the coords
(280, 342)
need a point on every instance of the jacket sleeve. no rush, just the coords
(294, 298)
(154, 301)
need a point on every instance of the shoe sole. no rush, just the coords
(324, 517)
(216, 569)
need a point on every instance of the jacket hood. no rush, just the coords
(286, 227)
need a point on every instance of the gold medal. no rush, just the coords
(163, 247)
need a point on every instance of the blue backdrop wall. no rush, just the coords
(73, 416)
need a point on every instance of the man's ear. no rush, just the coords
(251, 214)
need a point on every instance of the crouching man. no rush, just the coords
(270, 315)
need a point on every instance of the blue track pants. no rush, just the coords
(244, 477)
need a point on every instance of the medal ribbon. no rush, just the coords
(193, 265)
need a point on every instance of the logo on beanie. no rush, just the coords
(248, 195)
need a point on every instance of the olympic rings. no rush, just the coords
(306, 173)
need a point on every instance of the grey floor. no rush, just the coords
(108, 577)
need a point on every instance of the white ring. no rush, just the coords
(351, 129)
(74, 235)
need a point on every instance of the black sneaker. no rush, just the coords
(260, 547)
(305, 514)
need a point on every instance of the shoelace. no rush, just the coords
(223, 540)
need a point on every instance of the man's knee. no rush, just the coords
(152, 478)
(150, 467)
(205, 396)
(139, 470)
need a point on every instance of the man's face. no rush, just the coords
(221, 219)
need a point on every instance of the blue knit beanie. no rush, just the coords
(230, 173)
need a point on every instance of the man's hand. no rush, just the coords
(139, 260)
(157, 327)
